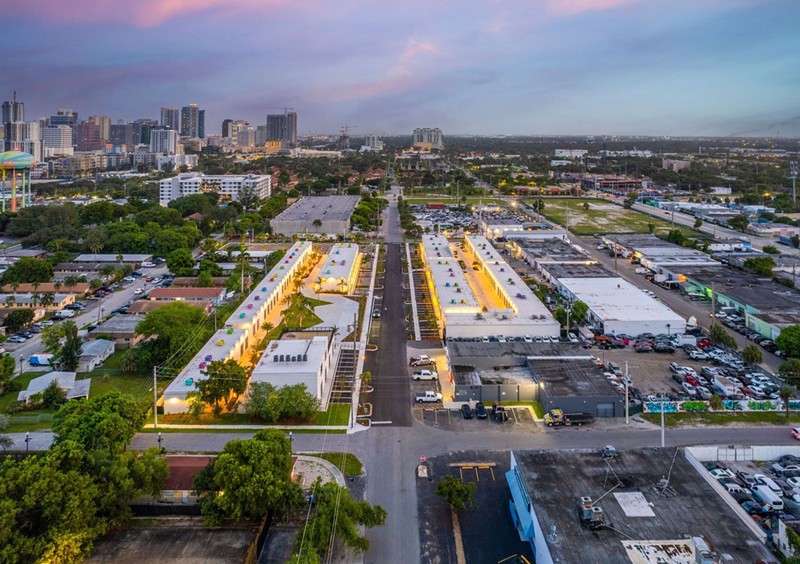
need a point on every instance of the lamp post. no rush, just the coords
(100, 313)
(291, 442)
(27, 441)
(21, 360)
(160, 440)
(668, 326)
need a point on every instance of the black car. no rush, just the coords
(499, 412)
(644, 348)
(466, 411)
(663, 348)
(480, 411)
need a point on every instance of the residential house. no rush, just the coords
(94, 353)
(66, 381)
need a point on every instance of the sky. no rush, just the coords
(488, 67)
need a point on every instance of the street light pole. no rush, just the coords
(663, 401)
(27, 440)
(160, 440)
(627, 397)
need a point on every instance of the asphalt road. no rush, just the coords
(90, 315)
(392, 396)
(717, 231)
(671, 298)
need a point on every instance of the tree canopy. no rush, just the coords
(789, 341)
(255, 476)
(28, 270)
(175, 326)
(272, 405)
(223, 379)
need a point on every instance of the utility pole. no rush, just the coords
(793, 176)
(663, 401)
(627, 398)
(155, 397)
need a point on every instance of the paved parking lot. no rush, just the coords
(487, 532)
(649, 371)
(520, 420)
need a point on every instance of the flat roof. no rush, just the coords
(290, 357)
(616, 299)
(523, 301)
(755, 291)
(555, 480)
(96, 347)
(238, 326)
(111, 257)
(569, 376)
(323, 208)
(577, 270)
(471, 349)
(453, 290)
(552, 251)
(119, 324)
(340, 261)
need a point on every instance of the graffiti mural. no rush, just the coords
(727, 405)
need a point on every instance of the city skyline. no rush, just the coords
(571, 67)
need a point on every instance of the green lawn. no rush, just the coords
(602, 217)
(10, 397)
(348, 463)
(337, 414)
(535, 405)
(743, 417)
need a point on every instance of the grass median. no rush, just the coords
(720, 419)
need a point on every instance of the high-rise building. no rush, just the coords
(171, 117)
(64, 116)
(87, 136)
(193, 121)
(57, 140)
(141, 130)
(226, 127)
(283, 128)
(245, 136)
(122, 134)
(163, 140)
(13, 123)
(428, 138)
(104, 123)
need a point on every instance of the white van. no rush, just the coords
(769, 482)
(768, 497)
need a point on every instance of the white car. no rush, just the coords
(721, 473)
(794, 482)
(139, 291)
(527, 338)
(129, 279)
(148, 265)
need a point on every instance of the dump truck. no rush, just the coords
(557, 418)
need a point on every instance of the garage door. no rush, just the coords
(605, 410)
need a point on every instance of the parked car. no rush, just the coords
(466, 411)
(480, 411)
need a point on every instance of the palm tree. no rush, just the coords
(786, 393)
(35, 286)
(95, 246)
(343, 285)
(10, 301)
(70, 282)
(35, 299)
(107, 271)
(120, 258)
(47, 299)
(267, 326)
(57, 285)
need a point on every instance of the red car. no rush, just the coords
(691, 379)
(703, 343)
(149, 279)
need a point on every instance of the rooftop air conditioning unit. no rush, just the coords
(597, 514)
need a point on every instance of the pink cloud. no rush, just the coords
(143, 13)
(570, 7)
(403, 74)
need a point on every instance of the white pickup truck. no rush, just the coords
(428, 397)
(425, 375)
(421, 360)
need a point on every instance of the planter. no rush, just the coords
(365, 389)
(366, 408)
(364, 421)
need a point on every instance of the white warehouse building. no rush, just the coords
(461, 310)
(618, 307)
(227, 186)
(310, 362)
(241, 329)
(339, 271)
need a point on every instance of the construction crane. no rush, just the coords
(344, 138)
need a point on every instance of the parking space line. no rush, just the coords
(477, 476)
